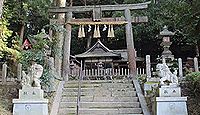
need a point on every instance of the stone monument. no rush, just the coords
(167, 77)
(31, 100)
(169, 101)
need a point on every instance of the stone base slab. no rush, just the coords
(30, 107)
(171, 106)
(30, 102)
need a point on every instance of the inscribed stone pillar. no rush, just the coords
(4, 73)
(196, 65)
(19, 71)
(130, 44)
(148, 67)
(180, 68)
(66, 50)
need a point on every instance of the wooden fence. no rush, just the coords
(105, 72)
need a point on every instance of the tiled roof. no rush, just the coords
(98, 50)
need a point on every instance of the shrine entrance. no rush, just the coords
(96, 21)
(107, 96)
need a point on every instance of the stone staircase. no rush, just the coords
(100, 97)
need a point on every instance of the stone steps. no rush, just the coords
(98, 114)
(105, 93)
(100, 97)
(97, 89)
(83, 85)
(96, 84)
(98, 81)
(100, 104)
(102, 111)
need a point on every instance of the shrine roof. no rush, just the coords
(98, 50)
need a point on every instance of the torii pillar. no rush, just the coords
(66, 49)
(130, 44)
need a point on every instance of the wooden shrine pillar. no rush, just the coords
(130, 44)
(66, 48)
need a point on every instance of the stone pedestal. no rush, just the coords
(171, 105)
(30, 102)
(170, 101)
(169, 91)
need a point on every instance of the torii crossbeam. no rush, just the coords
(97, 19)
(118, 7)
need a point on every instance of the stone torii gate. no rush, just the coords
(98, 19)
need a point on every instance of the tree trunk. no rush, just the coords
(58, 56)
(1, 8)
(22, 31)
(67, 47)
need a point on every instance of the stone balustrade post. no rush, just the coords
(196, 65)
(4, 73)
(19, 72)
(180, 68)
(148, 67)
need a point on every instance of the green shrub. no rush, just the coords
(193, 83)
(194, 77)
(141, 78)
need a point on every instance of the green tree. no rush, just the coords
(5, 51)
(27, 17)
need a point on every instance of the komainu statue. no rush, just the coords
(166, 75)
(33, 76)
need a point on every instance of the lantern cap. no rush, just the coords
(166, 32)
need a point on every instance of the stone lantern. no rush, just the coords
(166, 54)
